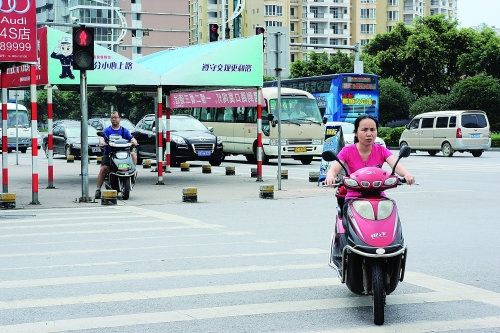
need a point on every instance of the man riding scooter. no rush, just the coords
(116, 129)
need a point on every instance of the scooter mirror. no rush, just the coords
(101, 134)
(405, 151)
(329, 155)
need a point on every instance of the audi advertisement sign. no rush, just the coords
(18, 31)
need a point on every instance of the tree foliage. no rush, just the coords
(481, 92)
(394, 101)
(431, 103)
(322, 64)
(483, 54)
(424, 57)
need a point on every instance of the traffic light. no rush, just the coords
(83, 48)
(260, 31)
(213, 30)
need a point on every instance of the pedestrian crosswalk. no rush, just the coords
(191, 275)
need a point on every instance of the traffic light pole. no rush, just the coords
(84, 152)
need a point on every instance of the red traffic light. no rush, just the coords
(83, 38)
(214, 27)
(259, 30)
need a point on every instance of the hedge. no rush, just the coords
(391, 136)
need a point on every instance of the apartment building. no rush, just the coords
(322, 22)
(168, 21)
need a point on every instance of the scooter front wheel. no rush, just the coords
(378, 293)
(125, 188)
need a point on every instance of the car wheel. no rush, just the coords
(215, 162)
(10, 150)
(67, 151)
(46, 149)
(447, 150)
(432, 152)
(306, 159)
(476, 153)
(250, 158)
(23, 150)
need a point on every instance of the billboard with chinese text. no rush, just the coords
(18, 31)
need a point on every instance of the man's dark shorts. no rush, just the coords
(105, 160)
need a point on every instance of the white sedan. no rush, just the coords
(348, 132)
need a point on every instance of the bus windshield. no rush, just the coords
(296, 109)
(22, 118)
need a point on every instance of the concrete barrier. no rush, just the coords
(7, 200)
(230, 171)
(206, 168)
(184, 166)
(70, 159)
(146, 164)
(190, 194)
(284, 174)
(109, 197)
(266, 191)
(313, 176)
(99, 159)
(253, 172)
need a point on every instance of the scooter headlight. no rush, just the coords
(364, 208)
(385, 208)
(121, 155)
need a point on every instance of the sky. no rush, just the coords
(474, 12)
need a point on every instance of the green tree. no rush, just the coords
(481, 92)
(424, 57)
(431, 103)
(322, 64)
(394, 101)
(483, 55)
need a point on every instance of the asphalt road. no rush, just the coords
(235, 263)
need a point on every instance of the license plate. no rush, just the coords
(96, 149)
(300, 149)
(123, 166)
(475, 135)
(204, 153)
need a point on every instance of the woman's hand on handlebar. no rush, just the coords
(409, 179)
(330, 181)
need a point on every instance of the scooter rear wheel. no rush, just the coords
(378, 293)
(125, 188)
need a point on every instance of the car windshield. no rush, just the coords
(185, 124)
(74, 132)
(124, 122)
(347, 128)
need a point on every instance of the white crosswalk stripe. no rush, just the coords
(20, 281)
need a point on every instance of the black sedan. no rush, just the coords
(66, 140)
(190, 140)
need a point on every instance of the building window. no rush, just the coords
(392, 2)
(368, 29)
(273, 23)
(292, 57)
(392, 15)
(292, 26)
(364, 41)
(335, 12)
(124, 48)
(368, 13)
(389, 28)
(334, 42)
(272, 10)
(368, 1)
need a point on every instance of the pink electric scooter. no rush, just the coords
(367, 247)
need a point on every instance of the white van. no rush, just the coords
(448, 131)
(18, 125)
